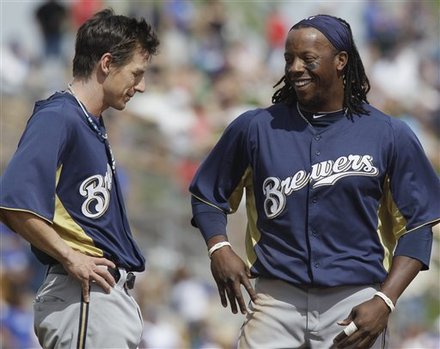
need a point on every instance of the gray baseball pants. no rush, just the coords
(62, 320)
(290, 317)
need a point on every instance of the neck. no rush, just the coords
(89, 95)
(328, 110)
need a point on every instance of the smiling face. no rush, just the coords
(314, 69)
(121, 83)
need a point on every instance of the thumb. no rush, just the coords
(346, 321)
(248, 272)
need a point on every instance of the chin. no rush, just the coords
(310, 103)
(120, 106)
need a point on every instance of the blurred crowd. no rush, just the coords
(217, 59)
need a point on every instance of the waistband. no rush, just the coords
(282, 289)
(119, 274)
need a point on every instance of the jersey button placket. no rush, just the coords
(313, 216)
(315, 148)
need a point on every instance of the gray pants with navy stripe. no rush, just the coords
(63, 320)
(285, 316)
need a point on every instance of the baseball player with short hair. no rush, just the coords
(61, 192)
(340, 199)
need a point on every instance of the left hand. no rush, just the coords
(230, 272)
(371, 318)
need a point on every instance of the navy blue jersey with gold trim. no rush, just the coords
(61, 173)
(326, 206)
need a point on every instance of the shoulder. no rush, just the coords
(381, 119)
(261, 115)
(391, 128)
(252, 115)
(59, 109)
(243, 122)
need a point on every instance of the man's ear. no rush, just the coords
(341, 61)
(105, 63)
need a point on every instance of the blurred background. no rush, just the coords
(217, 59)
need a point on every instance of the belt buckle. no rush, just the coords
(131, 278)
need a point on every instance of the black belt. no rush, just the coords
(129, 282)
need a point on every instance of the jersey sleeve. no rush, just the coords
(215, 186)
(414, 185)
(416, 244)
(29, 181)
(210, 220)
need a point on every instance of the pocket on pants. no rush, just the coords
(56, 308)
(52, 291)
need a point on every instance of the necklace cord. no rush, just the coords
(102, 136)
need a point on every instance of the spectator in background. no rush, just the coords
(82, 10)
(275, 36)
(190, 299)
(51, 17)
(16, 318)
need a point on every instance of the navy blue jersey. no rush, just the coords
(61, 173)
(326, 206)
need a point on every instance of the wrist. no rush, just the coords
(217, 246)
(216, 239)
(389, 303)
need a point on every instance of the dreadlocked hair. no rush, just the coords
(285, 93)
(356, 83)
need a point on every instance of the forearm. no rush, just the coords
(403, 271)
(37, 232)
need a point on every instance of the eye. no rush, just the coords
(309, 59)
(288, 59)
(138, 75)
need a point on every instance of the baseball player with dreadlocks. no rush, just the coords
(340, 199)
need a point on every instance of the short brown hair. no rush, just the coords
(116, 34)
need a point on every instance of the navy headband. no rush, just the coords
(336, 31)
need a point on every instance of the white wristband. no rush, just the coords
(387, 301)
(217, 246)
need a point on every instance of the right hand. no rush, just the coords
(42, 235)
(88, 269)
(230, 272)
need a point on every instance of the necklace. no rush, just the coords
(101, 135)
(301, 114)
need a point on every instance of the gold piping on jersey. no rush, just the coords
(207, 202)
(70, 231)
(253, 235)
(27, 211)
(391, 224)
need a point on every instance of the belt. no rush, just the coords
(115, 272)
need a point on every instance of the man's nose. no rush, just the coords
(140, 87)
(297, 66)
